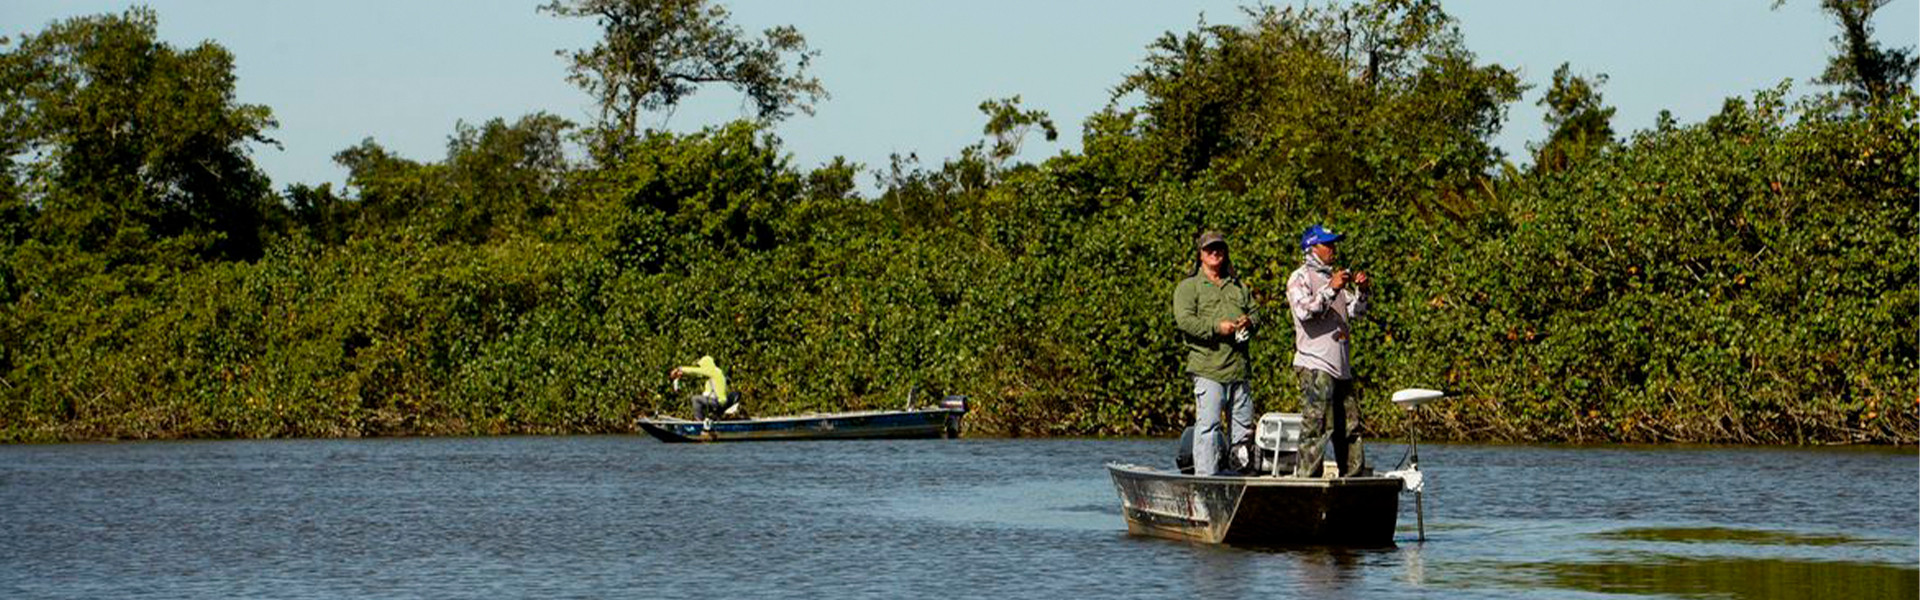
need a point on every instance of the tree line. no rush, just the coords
(1749, 278)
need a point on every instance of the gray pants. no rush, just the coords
(705, 406)
(1210, 399)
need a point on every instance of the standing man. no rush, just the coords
(1324, 301)
(1216, 317)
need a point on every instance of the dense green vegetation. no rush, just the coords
(1749, 278)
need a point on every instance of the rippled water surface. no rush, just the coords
(631, 517)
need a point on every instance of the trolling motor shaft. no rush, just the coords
(1411, 399)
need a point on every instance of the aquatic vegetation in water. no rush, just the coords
(1729, 577)
(1727, 535)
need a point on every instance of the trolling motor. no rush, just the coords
(1411, 399)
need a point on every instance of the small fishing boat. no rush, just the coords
(1258, 510)
(1272, 508)
(939, 421)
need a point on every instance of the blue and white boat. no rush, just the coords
(939, 421)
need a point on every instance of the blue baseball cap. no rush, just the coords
(1317, 235)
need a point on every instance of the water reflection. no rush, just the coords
(1244, 571)
(1327, 570)
(1415, 573)
(1221, 572)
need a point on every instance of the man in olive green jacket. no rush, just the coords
(1216, 317)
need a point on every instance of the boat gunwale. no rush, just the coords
(1256, 481)
(915, 423)
(672, 420)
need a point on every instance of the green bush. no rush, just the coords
(1745, 279)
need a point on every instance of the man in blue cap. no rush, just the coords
(1324, 301)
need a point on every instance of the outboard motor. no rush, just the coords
(953, 402)
(957, 404)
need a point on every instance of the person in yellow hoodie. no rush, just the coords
(713, 401)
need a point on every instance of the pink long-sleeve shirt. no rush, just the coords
(1321, 320)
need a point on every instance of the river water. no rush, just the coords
(594, 517)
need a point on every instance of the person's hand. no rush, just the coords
(1225, 327)
(1240, 331)
(1339, 279)
(1360, 279)
(674, 374)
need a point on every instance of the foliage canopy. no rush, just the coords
(1748, 278)
(120, 144)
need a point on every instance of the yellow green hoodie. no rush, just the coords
(716, 379)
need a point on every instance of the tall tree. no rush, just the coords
(1580, 121)
(1358, 102)
(1009, 126)
(506, 176)
(1867, 73)
(118, 140)
(655, 53)
(498, 178)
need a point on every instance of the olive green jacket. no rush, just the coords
(1198, 306)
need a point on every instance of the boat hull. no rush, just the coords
(878, 424)
(1258, 511)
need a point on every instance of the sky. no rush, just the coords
(907, 76)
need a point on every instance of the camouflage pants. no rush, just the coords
(1329, 409)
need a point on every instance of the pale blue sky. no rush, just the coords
(907, 75)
